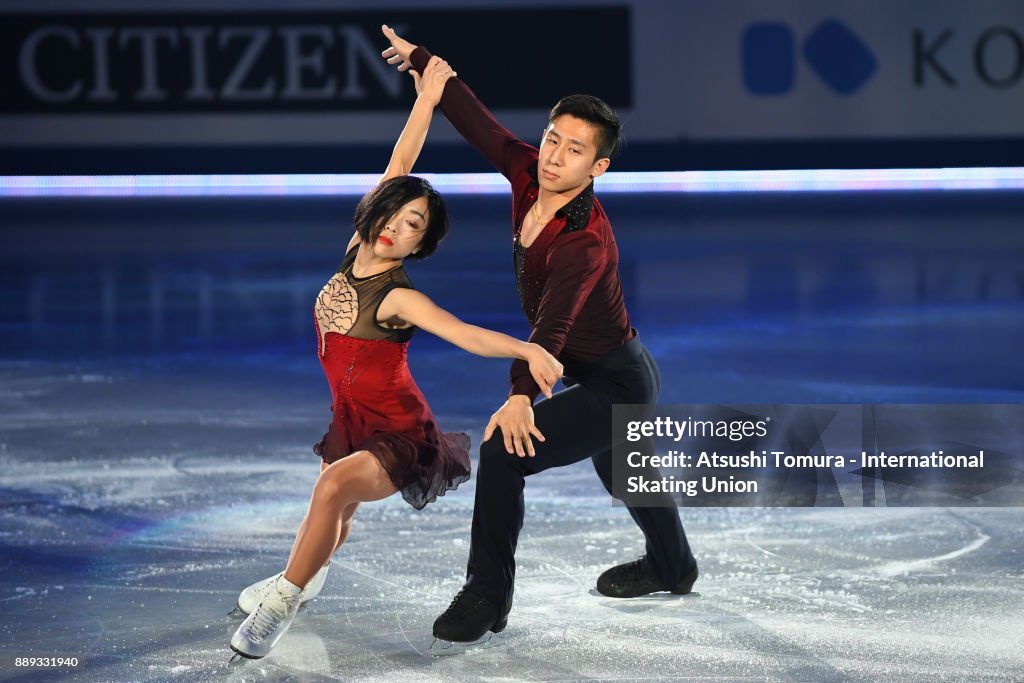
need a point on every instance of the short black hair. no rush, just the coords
(596, 112)
(378, 205)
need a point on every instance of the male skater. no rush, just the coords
(566, 264)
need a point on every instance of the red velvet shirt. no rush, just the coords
(568, 278)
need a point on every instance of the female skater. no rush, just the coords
(383, 437)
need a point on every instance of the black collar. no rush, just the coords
(576, 212)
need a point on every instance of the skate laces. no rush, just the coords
(268, 616)
(463, 605)
(267, 588)
(633, 571)
(262, 591)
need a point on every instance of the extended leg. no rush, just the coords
(339, 489)
(668, 553)
(668, 563)
(253, 594)
(346, 523)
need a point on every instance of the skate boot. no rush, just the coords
(470, 622)
(250, 598)
(268, 622)
(636, 578)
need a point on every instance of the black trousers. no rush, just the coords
(577, 424)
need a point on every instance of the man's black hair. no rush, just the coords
(599, 114)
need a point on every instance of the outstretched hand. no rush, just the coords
(400, 51)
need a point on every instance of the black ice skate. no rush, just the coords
(633, 579)
(470, 622)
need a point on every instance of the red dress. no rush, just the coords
(376, 404)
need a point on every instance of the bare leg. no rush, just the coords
(343, 485)
(346, 524)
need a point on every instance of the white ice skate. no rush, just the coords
(250, 598)
(261, 630)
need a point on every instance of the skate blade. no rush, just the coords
(447, 648)
(238, 654)
(237, 612)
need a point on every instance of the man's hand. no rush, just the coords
(516, 421)
(400, 51)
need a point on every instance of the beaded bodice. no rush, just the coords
(347, 305)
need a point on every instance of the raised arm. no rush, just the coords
(410, 143)
(429, 87)
(507, 153)
(416, 308)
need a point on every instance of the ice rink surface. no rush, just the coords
(139, 498)
(160, 395)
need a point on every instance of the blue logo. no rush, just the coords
(834, 52)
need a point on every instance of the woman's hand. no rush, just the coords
(544, 367)
(431, 84)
